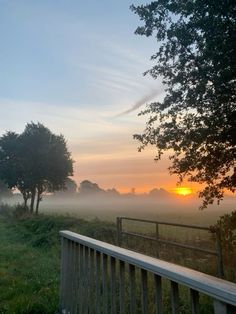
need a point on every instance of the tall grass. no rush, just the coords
(30, 258)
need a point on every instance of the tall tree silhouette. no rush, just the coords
(197, 118)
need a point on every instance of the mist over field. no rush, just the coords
(170, 207)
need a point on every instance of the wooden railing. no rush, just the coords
(217, 252)
(97, 277)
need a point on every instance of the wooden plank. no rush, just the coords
(215, 287)
(122, 287)
(132, 286)
(194, 299)
(166, 223)
(158, 294)
(144, 290)
(174, 298)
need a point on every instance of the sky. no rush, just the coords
(77, 67)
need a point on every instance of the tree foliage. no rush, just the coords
(226, 226)
(196, 120)
(34, 162)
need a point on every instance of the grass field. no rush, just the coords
(30, 260)
(28, 275)
(30, 256)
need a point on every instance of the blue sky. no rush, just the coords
(72, 53)
(74, 66)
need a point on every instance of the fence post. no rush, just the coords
(119, 231)
(157, 238)
(220, 270)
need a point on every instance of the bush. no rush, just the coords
(226, 225)
(20, 211)
(6, 210)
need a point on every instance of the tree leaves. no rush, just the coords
(197, 119)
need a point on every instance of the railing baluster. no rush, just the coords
(194, 297)
(81, 278)
(86, 281)
(68, 307)
(122, 287)
(104, 284)
(73, 278)
(144, 291)
(132, 289)
(76, 277)
(174, 297)
(113, 285)
(98, 272)
(68, 275)
(158, 294)
(81, 291)
(220, 307)
(91, 283)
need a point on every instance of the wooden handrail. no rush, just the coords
(77, 247)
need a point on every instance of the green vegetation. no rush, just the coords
(195, 59)
(30, 258)
(35, 161)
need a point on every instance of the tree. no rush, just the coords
(35, 162)
(12, 171)
(87, 187)
(196, 120)
(70, 188)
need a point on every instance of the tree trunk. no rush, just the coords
(25, 197)
(33, 192)
(39, 198)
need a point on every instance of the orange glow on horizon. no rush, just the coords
(184, 191)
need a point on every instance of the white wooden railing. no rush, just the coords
(97, 277)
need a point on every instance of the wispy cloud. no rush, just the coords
(141, 102)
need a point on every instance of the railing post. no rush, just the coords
(63, 274)
(220, 269)
(157, 238)
(119, 231)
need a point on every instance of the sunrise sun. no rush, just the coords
(183, 191)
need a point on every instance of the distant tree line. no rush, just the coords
(87, 188)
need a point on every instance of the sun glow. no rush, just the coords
(183, 191)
